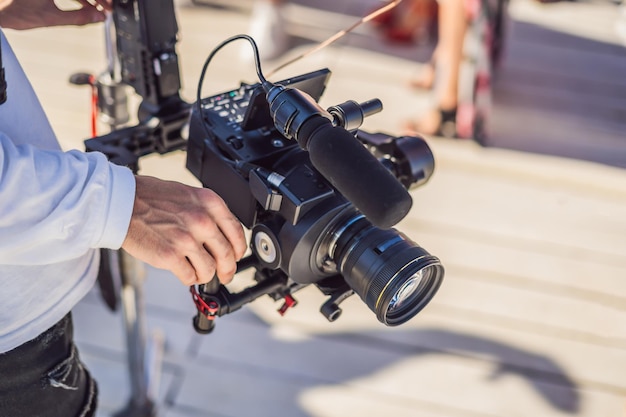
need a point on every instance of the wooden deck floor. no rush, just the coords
(562, 90)
(531, 319)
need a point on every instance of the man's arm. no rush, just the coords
(57, 205)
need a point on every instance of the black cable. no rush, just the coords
(3, 82)
(257, 60)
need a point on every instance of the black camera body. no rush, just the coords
(304, 231)
(242, 130)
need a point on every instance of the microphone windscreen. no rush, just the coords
(355, 172)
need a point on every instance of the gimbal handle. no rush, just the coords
(213, 300)
(208, 305)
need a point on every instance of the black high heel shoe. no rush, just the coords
(447, 127)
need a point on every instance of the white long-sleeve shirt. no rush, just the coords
(56, 208)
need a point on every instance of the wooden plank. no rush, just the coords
(597, 104)
(387, 373)
(540, 205)
(599, 17)
(553, 133)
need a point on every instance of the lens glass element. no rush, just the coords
(414, 292)
(405, 293)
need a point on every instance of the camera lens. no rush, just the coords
(393, 275)
(410, 292)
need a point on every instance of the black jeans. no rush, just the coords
(45, 378)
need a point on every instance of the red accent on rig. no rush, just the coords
(209, 310)
(289, 302)
(94, 106)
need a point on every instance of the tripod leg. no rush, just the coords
(143, 355)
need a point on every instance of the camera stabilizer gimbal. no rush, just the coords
(281, 164)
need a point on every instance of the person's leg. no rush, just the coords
(267, 28)
(449, 53)
(428, 10)
(453, 25)
(425, 79)
(45, 378)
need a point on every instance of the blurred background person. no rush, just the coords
(417, 20)
(448, 23)
(442, 72)
(460, 103)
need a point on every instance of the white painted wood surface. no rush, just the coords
(531, 318)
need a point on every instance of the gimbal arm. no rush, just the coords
(146, 34)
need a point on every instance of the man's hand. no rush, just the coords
(30, 14)
(189, 231)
